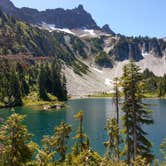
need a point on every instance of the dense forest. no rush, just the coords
(126, 144)
(154, 85)
(21, 78)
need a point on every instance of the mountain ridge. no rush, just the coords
(70, 18)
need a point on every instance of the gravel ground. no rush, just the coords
(101, 80)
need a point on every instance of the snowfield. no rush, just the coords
(82, 33)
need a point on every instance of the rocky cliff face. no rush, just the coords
(73, 18)
(124, 48)
(107, 29)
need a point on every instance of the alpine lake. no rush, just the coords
(96, 113)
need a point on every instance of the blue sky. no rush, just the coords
(128, 17)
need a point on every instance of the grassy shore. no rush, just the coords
(110, 95)
(33, 100)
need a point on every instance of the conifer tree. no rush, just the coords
(135, 115)
(15, 89)
(17, 147)
(112, 145)
(60, 139)
(83, 141)
(42, 84)
(116, 102)
(46, 155)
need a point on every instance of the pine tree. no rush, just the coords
(116, 102)
(55, 144)
(17, 147)
(112, 145)
(15, 89)
(42, 84)
(161, 87)
(60, 139)
(83, 141)
(48, 82)
(135, 115)
(58, 82)
(46, 155)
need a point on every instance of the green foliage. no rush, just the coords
(17, 37)
(135, 115)
(82, 139)
(17, 147)
(103, 60)
(42, 84)
(154, 84)
(46, 155)
(163, 148)
(86, 158)
(20, 79)
(10, 85)
(59, 140)
(112, 145)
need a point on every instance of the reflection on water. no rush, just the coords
(96, 112)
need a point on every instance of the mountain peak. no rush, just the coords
(106, 28)
(6, 5)
(80, 7)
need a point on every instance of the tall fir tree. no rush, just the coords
(116, 102)
(42, 84)
(81, 137)
(136, 114)
(112, 145)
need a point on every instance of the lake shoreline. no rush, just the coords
(109, 97)
(42, 105)
(47, 105)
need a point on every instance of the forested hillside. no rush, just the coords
(19, 37)
(25, 80)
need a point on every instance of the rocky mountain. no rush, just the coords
(92, 56)
(76, 18)
(107, 29)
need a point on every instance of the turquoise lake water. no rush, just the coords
(96, 113)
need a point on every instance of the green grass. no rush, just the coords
(153, 95)
(98, 95)
(33, 100)
(110, 95)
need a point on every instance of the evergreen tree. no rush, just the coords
(15, 89)
(58, 82)
(112, 145)
(42, 84)
(135, 115)
(46, 155)
(17, 148)
(60, 139)
(48, 82)
(161, 88)
(83, 141)
(55, 144)
(116, 102)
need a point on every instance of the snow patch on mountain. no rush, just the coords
(52, 27)
(144, 54)
(90, 31)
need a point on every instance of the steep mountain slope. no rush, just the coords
(19, 37)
